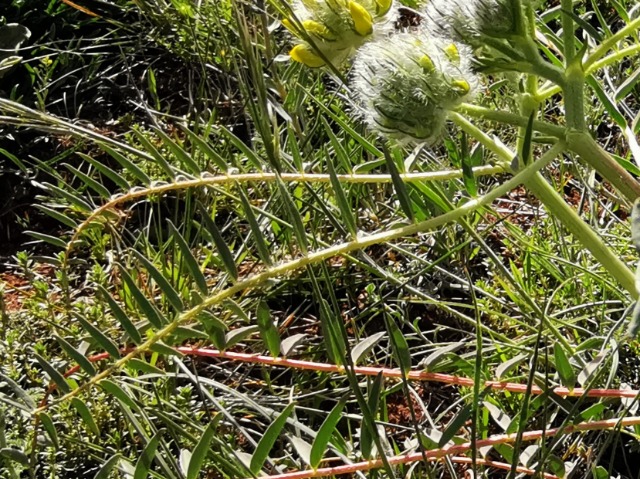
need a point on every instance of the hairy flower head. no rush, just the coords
(404, 85)
(468, 20)
(337, 28)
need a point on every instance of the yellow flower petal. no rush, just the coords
(461, 86)
(288, 24)
(318, 29)
(426, 63)
(303, 54)
(383, 7)
(362, 21)
(452, 53)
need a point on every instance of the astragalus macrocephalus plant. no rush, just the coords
(406, 84)
(281, 207)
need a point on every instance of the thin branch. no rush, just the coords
(205, 181)
(460, 448)
(424, 376)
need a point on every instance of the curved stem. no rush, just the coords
(316, 257)
(613, 58)
(606, 45)
(163, 188)
(593, 67)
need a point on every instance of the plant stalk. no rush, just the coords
(557, 206)
(582, 232)
(510, 119)
(583, 145)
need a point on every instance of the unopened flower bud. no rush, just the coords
(468, 20)
(303, 54)
(362, 21)
(383, 7)
(452, 53)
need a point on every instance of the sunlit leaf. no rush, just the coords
(268, 439)
(110, 464)
(76, 355)
(145, 460)
(221, 246)
(200, 451)
(86, 415)
(53, 374)
(146, 307)
(325, 432)
(190, 261)
(563, 366)
(268, 330)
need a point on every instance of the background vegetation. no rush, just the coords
(157, 189)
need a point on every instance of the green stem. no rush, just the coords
(538, 66)
(582, 232)
(583, 145)
(573, 93)
(568, 33)
(556, 206)
(593, 67)
(510, 119)
(613, 58)
(606, 45)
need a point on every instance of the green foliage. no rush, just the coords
(231, 199)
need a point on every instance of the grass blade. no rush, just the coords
(146, 458)
(157, 156)
(268, 330)
(399, 345)
(146, 307)
(269, 439)
(106, 171)
(189, 259)
(54, 375)
(563, 366)
(200, 451)
(223, 250)
(261, 244)
(127, 164)
(161, 281)
(48, 425)
(400, 187)
(182, 156)
(76, 355)
(110, 464)
(99, 337)
(455, 425)
(294, 216)
(341, 199)
(325, 432)
(86, 415)
(121, 316)
(361, 349)
(204, 147)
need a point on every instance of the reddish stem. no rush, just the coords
(373, 371)
(396, 373)
(458, 448)
(433, 454)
